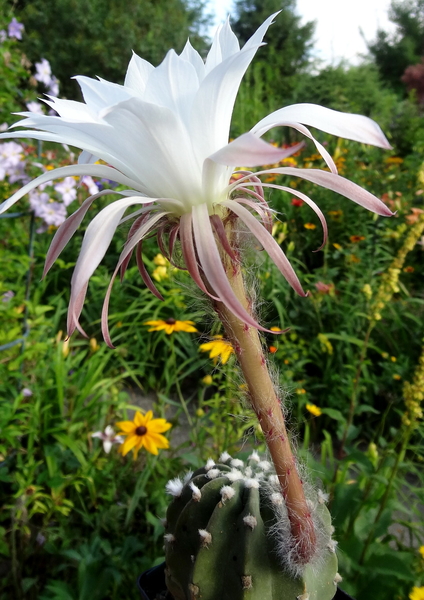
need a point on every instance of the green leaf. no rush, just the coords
(334, 414)
(392, 563)
(364, 408)
(68, 442)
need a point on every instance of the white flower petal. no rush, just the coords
(107, 446)
(213, 106)
(350, 126)
(138, 73)
(94, 170)
(173, 84)
(193, 57)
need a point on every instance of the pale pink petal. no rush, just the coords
(335, 183)
(139, 221)
(144, 273)
(76, 303)
(68, 228)
(96, 241)
(128, 248)
(264, 213)
(269, 244)
(251, 151)
(210, 261)
(222, 236)
(189, 253)
(305, 199)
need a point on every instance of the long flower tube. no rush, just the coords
(164, 135)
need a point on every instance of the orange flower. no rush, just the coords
(272, 349)
(414, 216)
(356, 238)
(409, 269)
(309, 226)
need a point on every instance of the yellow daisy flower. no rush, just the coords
(417, 593)
(309, 226)
(314, 410)
(421, 550)
(218, 347)
(143, 431)
(171, 325)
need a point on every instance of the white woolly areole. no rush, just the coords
(227, 492)
(332, 545)
(237, 463)
(304, 596)
(273, 480)
(234, 475)
(337, 578)
(213, 473)
(197, 494)
(322, 497)
(224, 457)
(187, 476)
(254, 456)
(209, 464)
(169, 538)
(248, 471)
(252, 483)
(264, 464)
(174, 487)
(205, 537)
(277, 499)
(250, 521)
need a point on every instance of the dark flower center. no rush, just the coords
(141, 430)
(170, 321)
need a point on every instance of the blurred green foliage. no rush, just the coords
(394, 52)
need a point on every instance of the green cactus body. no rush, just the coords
(224, 540)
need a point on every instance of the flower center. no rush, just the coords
(141, 430)
(170, 321)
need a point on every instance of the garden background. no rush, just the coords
(78, 523)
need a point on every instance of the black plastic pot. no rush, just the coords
(152, 586)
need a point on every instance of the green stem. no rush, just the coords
(354, 396)
(177, 385)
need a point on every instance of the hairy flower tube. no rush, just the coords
(165, 135)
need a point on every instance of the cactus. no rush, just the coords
(228, 537)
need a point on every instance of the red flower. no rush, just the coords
(296, 202)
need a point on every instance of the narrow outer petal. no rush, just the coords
(268, 242)
(346, 125)
(210, 261)
(333, 182)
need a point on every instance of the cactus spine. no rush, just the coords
(228, 538)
